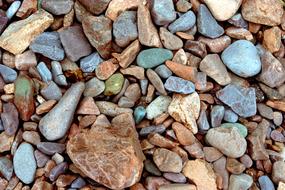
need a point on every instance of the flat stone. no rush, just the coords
(57, 7)
(156, 81)
(6, 167)
(227, 140)
(5, 142)
(277, 136)
(10, 118)
(212, 154)
(58, 170)
(18, 36)
(157, 107)
(242, 58)
(163, 12)
(177, 187)
(183, 6)
(241, 100)
(9, 75)
(241, 128)
(278, 170)
(169, 40)
(114, 84)
(159, 129)
(242, 181)
(265, 183)
(25, 60)
(183, 23)
(163, 71)
(118, 6)
(265, 111)
(179, 85)
(24, 163)
(94, 87)
(74, 42)
(272, 39)
(167, 161)
(61, 114)
(3, 22)
(89, 63)
(217, 115)
(50, 148)
(32, 137)
(184, 135)
(94, 6)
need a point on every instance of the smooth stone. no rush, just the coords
(277, 118)
(175, 177)
(156, 81)
(157, 107)
(57, 7)
(125, 28)
(48, 44)
(152, 129)
(153, 57)
(179, 85)
(206, 23)
(95, 6)
(202, 122)
(57, 171)
(265, 183)
(277, 136)
(169, 40)
(139, 114)
(238, 21)
(3, 22)
(89, 63)
(163, 71)
(57, 73)
(13, 9)
(61, 114)
(24, 163)
(94, 87)
(242, 181)
(228, 140)
(230, 116)
(41, 158)
(6, 167)
(125, 102)
(241, 128)
(9, 75)
(278, 170)
(50, 148)
(163, 12)
(217, 115)
(78, 183)
(241, 100)
(10, 118)
(111, 109)
(151, 168)
(51, 91)
(114, 84)
(25, 60)
(242, 58)
(183, 23)
(44, 72)
(265, 111)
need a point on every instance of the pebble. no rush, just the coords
(89, 63)
(278, 170)
(238, 21)
(57, 73)
(230, 116)
(183, 135)
(27, 8)
(277, 136)
(24, 163)
(117, 6)
(51, 91)
(227, 140)
(167, 161)
(58, 170)
(265, 111)
(277, 118)
(153, 57)
(114, 84)
(48, 44)
(157, 107)
(182, 71)
(10, 118)
(44, 72)
(153, 183)
(9, 75)
(41, 158)
(125, 28)
(241, 100)
(212, 154)
(111, 109)
(246, 160)
(6, 167)
(196, 48)
(106, 69)
(241, 128)
(175, 177)
(5, 142)
(25, 60)
(163, 12)
(78, 183)
(183, 23)
(234, 166)
(61, 114)
(169, 40)
(177, 187)
(152, 129)
(239, 33)
(94, 87)
(125, 102)
(217, 115)
(272, 39)
(75, 43)
(156, 81)
(57, 7)
(183, 6)
(281, 186)
(13, 9)
(202, 121)
(242, 181)
(179, 85)
(206, 23)
(50, 148)
(220, 168)
(265, 183)
(133, 92)
(95, 7)
(139, 114)
(32, 137)
(163, 71)
(151, 168)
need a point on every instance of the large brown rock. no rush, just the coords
(112, 156)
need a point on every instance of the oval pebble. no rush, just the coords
(241, 128)
(179, 85)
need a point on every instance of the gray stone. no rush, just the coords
(6, 167)
(94, 87)
(157, 107)
(10, 118)
(89, 63)
(175, 177)
(265, 183)
(202, 121)
(238, 21)
(183, 23)
(57, 7)
(277, 118)
(265, 111)
(152, 129)
(48, 44)
(41, 158)
(241, 100)
(144, 84)
(163, 71)
(163, 12)
(217, 115)
(13, 9)
(242, 58)
(179, 85)
(242, 182)
(51, 92)
(151, 168)
(50, 148)
(58, 170)
(24, 163)
(230, 116)
(125, 28)
(44, 72)
(57, 73)
(61, 114)
(206, 23)
(9, 75)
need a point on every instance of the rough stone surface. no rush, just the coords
(163, 12)
(10, 118)
(179, 85)
(278, 170)
(94, 87)
(6, 167)
(57, 7)
(169, 40)
(167, 161)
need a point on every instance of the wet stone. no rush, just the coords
(163, 12)
(179, 85)
(57, 7)
(183, 23)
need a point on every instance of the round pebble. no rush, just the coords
(114, 84)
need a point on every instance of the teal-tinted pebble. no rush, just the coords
(241, 128)
(114, 84)
(153, 57)
(139, 114)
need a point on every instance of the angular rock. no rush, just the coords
(167, 161)
(6, 167)
(9, 75)
(41, 158)
(272, 39)
(169, 40)
(94, 6)
(89, 63)
(179, 85)
(242, 181)
(106, 69)
(94, 87)
(157, 107)
(163, 12)
(57, 7)
(27, 7)
(202, 121)
(156, 81)
(234, 166)
(10, 118)
(25, 60)
(118, 6)
(183, 23)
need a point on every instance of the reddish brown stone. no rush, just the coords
(95, 6)
(106, 69)
(27, 7)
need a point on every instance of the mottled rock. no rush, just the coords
(89, 63)
(114, 84)
(157, 107)
(163, 71)
(242, 181)
(163, 12)
(57, 7)
(278, 170)
(169, 40)
(9, 118)
(27, 7)
(183, 23)
(5, 142)
(58, 170)
(179, 85)
(238, 21)
(234, 166)
(217, 115)
(25, 60)
(9, 75)
(184, 135)
(202, 122)
(94, 6)
(167, 161)
(241, 128)
(6, 167)
(44, 72)
(94, 87)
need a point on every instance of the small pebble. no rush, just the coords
(230, 116)
(51, 91)
(57, 7)
(50, 148)
(9, 75)
(13, 9)
(241, 128)
(265, 183)
(163, 12)
(163, 71)
(217, 115)
(94, 87)
(114, 84)
(179, 85)
(6, 167)
(157, 107)
(183, 23)
(139, 114)
(44, 72)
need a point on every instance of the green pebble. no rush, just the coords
(153, 57)
(241, 128)
(139, 114)
(114, 84)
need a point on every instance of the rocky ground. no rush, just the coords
(142, 95)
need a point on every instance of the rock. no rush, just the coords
(196, 48)
(89, 63)
(9, 118)
(41, 158)
(120, 150)
(94, 87)
(238, 21)
(221, 171)
(265, 183)
(5, 142)
(239, 33)
(61, 114)
(111, 109)
(212, 154)
(183, 23)
(202, 121)
(106, 69)
(78, 183)
(153, 57)
(163, 71)
(242, 181)
(98, 30)
(206, 23)
(179, 85)
(160, 141)
(57, 73)
(6, 167)
(183, 6)
(157, 107)
(241, 128)
(27, 7)
(217, 115)
(241, 100)
(230, 116)
(223, 10)
(184, 135)
(167, 161)
(94, 6)
(18, 36)
(58, 170)
(51, 91)
(25, 60)
(227, 140)
(213, 66)
(24, 163)
(234, 166)
(57, 7)
(148, 34)
(177, 187)
(32, 137)
(159, 129)
(272, 39)
(24, 97)
(44, 72)
(246, 160)
(182, 71)
(277, 118)
(114, 84)
(125, 28)
(3, 22)
(265, 111)
(201, 173)
(74, 42)
(9, 75)
(266, 12)
(278, 170)
(177, 178)
(163, 12)
(169, 40)
(50, 148)
(156, 81)
(281, 186)
(139, 114)
(13, 9)
(185, 109)
(242, 58)
(153, 183)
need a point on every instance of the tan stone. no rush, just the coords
(272, 39)
(45, 107)
(65, 180)
(278, 171)
(117, 6)
(5, 142)
(160, 141)
(9, 88)
(25, 60)
(184, 135)
(8, 59)
(201, 173)
(281, 186)
(177, 187)
(135, 71)
(211, 154)
(18, 35)
(32, 137)
(234, 166)
(239, 33)
(87, 106)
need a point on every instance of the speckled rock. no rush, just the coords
(163, 12)
(89, 63)
(183, 23)
(157, 107)
(167, 161)
(57, 7)
(114, 84)
(179, 85)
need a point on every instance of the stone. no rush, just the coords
(120, 150)
(272, 39)
(182, 71)
(118, 6)
(242, 181)
(234, 166)
(278, 170)
(98, 31)
(167, 161)
(57, 7)
(239, 33)
(58, 170)
(230, 116)
(246, 160)
(44, 72)
(150, 167)
(6, 167)
(177, 187)
(50, 148)
(241, 100)
(221, 171)
(10, 118)
(201, 173)
(183, 6)
(133, 92)
(24, 97)
(139, 114)
(61, 114)
(152, 129)
(183, 23)
(265, 183)
(13, 9)
(157, 107)
(202, 121)
(148, 34)
(45, 106)
(48, 44)
(217, 115)
(41, 158)
(125, 28)
(281, 186)
(169, 40)
(223, 10)
(18, 35)
(78, 183)
(153, 57)
(87, 106)
(212, 154)
(267, 12)
(5, 142)
(25, 60)
(32, 137)
(238, 21)
(51, 91)
(265, 111)
(153, 183)
(277, 118)
(163, 71)
(160, 141)
(24, 163)
(57, 73)
(185, 109)
(106, 69)
(156, 81)
(227, 140)
(94, 6)
(111, 109)
(242, 58)
(163, 12)
(3, 22)
(241, 128)
(114, 84)
(177, 178)
(94, 87)
(27, 7)
(196, 48)
(75, 43)
(179, 85)
(9, 75)
(184, 135)
(89, 63)
(206, 23)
